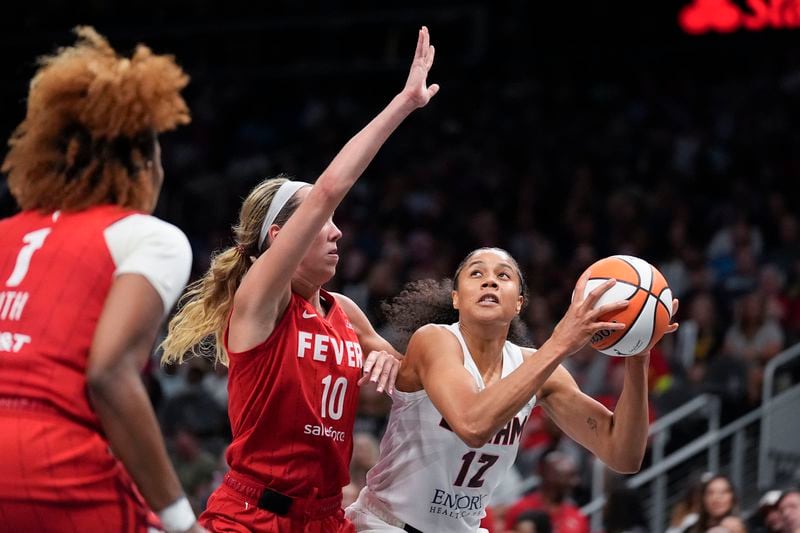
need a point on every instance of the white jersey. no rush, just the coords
(426, 476)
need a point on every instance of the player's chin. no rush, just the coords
(493, 314)
(326, 273)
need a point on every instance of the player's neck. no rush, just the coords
(485, 343)
(311, 293)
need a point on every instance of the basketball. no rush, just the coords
(649, 312)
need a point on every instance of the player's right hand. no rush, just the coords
(580, 322)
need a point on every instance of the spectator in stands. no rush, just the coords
(687, 510)
(768, 519)
(729, 524)
(789, 506)
(558, 479)
(731, 239)
(753, 339)
(698, 340)
(532, 522)
(193, 408)
(719, 502)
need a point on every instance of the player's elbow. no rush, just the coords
(330, 187)
(472, 435)
(473, 441)
(104, 381)
(100, 382)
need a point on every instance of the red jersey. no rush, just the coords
(55, 273)
(292, 402)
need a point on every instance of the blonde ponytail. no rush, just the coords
(204, 311)
(207, 303)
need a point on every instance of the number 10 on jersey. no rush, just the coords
(333, 397)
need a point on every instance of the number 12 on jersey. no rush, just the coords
(476, 480)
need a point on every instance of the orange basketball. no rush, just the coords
(649, 312)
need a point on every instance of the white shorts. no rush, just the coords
(369, 515)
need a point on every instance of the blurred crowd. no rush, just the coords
(692, 174)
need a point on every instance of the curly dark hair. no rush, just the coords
(91, 125)
(429, 301)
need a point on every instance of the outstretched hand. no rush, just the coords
(417, 87)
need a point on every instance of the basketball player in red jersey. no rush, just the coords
(86, 278)
(295, 352)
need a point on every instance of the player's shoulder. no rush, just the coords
(432, 331)
(143, 225)
(351, 309)
(139, 231)
(345, 302)
(432, 335)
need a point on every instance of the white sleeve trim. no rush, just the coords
(159, 251)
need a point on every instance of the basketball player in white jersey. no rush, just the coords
(465, 391)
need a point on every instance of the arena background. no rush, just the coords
(563, 132)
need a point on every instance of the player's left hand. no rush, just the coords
(417, 88)
(672, 328)
(381, 367)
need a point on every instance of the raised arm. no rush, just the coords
(265, 290)
(618, 439)
(475, 416)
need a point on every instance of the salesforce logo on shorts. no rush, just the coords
(324, 431)
(457, 505)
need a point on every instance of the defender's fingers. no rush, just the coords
(392, 379)
(387, 370)
(371, 358)
(378, 368)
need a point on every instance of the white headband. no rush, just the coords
(285, 191)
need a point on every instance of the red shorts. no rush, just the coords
(57, 475)
(232, 509)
